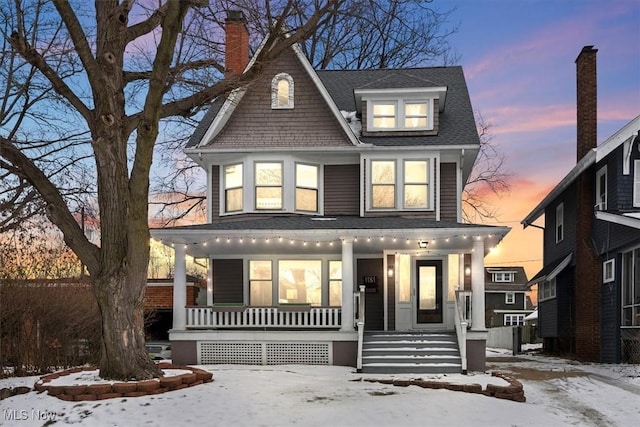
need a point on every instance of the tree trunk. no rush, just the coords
(123, 354)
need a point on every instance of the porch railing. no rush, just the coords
(263, 317)
(462, 322)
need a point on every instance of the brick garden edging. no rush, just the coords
(122, 389)
(514, 391)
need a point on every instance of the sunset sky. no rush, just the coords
(519, 61)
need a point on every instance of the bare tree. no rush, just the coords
(488, 176)
(369, 34)
(139, 64)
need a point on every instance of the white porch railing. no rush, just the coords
(263, 317)
(462, 322)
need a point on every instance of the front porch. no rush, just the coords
(307, 295)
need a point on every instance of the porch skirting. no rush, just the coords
(264, 347)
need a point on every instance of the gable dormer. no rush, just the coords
(407, 111)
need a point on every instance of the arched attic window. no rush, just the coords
(282, 91)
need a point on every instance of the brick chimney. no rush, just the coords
(587, 101)
(588, 268)
(236, 49)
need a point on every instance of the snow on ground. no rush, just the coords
(559, 393)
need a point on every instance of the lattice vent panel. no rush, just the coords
(231, 353)
(297, 354)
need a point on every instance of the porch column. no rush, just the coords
(210, 283)
(347, 285)
(180, 289)
(477, 285)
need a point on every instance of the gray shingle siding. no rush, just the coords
(610, 300)
(227, 281)
(341, 190)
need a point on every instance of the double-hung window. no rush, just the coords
(416, 184)
(631, 288)
(415, 115)
(268, 178)
(260, 283)
(510, 298)
(601, 189)
(636, 183)
(560, 223)
(400, 115)
(384, 115)
(547, 290)
(233, 188)
(306, 187)
(335, 283)
(383, 184)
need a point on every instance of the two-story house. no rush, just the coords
(507, 300)
(334, 206)
(589, 286)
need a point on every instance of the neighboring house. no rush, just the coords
(589, 286)
(158, 304)
(321, 184)
(507, 300)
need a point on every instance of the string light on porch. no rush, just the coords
(432, 242)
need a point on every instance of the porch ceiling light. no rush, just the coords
(422, 244)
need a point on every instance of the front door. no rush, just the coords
(428, 291)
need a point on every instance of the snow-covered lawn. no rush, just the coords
(559, 392)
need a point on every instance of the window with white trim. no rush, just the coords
(560, 223)
(306, 187)
(505, 277)
(282, 91)
(300, 282)
(233, 188)
(514, 319)
(601, 189)
(401, 184)
(631, 288)
(383, 184)
(509, 298)
(547, 290)
(608, 270)
(636, 183)
(268, 185)
(260, 283)
(335, 283)
(400, 114)
(416, 184)
(384, 115)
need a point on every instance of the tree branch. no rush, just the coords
(57, 209)
(79, 39)
(30, 54)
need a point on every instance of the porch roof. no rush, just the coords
(316, 234)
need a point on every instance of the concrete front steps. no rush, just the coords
(410, 352)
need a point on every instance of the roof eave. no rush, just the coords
(587, 161)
